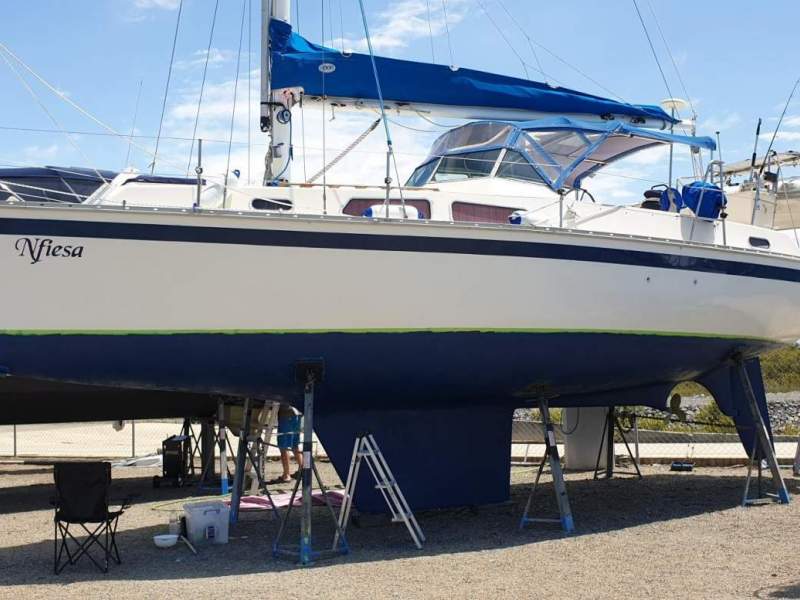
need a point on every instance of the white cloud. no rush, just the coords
(406, 21)
(161, 4)
(793, 121)
(786, 136)
(216, 57)
(721, 122)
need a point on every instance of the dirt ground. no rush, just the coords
(671, 535)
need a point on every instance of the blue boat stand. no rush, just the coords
(308, 372)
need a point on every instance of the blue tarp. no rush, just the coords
(296, 63)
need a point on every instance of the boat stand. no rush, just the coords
(762, 447)
(247, 452)
(611, 424)
(551, 455)
(309, 372)
(207, 480)
(366, 449)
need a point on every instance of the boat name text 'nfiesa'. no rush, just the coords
(36, 249)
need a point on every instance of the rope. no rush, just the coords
(447, 30)
(233, 110)
(202, 86)
(344, 152)
(166, 87)
(55, 121)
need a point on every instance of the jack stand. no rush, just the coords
(207, 477)
(309, 372)
(367, 448)
(551, 454)
(762, 447)
(243, 454)
(612, 422)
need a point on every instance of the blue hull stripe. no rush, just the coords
(389, 243)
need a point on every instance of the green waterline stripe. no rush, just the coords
(511, 330)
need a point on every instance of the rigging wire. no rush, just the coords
(430, 31)
(447, 31)
(202, 85)
(61, 95)
(528, 38)
(233, 110)
(133, 126)
(166, 87)
(52, 117)
(324, 144)
(505, 39)
(672, 59)
(341, 24)
(302, 112)
(249, 88)
(778, 126)
(655, 54)
(390, 148)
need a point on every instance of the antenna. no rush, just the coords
(673, 105)
(755, 149)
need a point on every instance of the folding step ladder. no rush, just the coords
(551, 454)
(367, 448)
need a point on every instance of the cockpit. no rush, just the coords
(558, 152)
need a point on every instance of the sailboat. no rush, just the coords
(490, 280)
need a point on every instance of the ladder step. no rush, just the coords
(386, 486)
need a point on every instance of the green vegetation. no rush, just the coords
(781, 370)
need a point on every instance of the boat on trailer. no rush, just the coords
(490, 281)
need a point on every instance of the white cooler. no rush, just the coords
(201, 516)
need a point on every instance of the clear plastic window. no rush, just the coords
(466, 166)
(516, 166)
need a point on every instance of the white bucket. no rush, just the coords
(207, 521)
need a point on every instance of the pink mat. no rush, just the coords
(282, 500)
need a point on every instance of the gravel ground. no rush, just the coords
(671, 535)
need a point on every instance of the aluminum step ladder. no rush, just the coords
(550, 454)
(366, 448)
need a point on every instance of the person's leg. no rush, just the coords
(285, 464)
(298, 456)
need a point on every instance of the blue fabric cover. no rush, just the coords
(712, 202)
(296, 63)
(666, 204)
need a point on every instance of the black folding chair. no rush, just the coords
(82, 498)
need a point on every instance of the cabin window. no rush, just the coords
(481, 213)
(422, 174)
(514, 166)
(460, 167)
(758, 242)
(275, 204)
(356, 206)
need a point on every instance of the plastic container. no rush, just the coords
(165, 540)
(207, 521)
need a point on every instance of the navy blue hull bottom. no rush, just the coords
(439, 404)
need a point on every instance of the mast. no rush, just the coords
(275, 112)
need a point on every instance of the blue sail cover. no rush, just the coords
(296, 63)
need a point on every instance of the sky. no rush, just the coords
(734, 59)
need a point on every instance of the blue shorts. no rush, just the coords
(289, 432)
